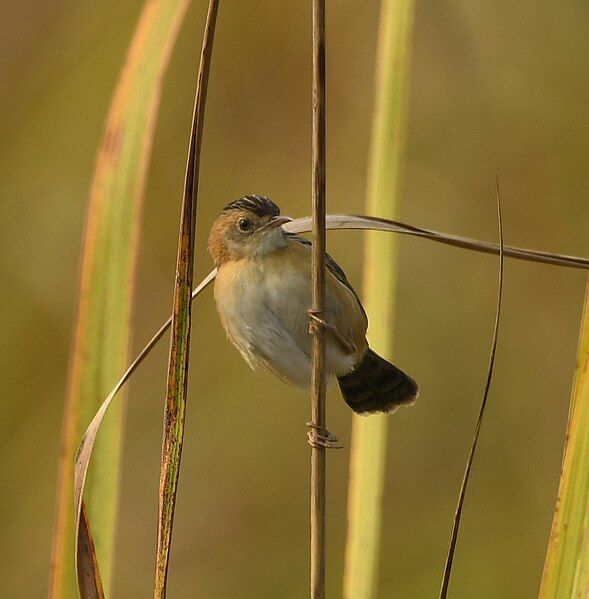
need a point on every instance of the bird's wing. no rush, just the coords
(335, 269)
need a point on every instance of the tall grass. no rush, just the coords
(177, 379)
(566, 570)
(102, 326)
(369, 435)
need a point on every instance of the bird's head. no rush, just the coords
(246, 228)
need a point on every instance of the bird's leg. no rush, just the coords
(316, 320)
(321, 437)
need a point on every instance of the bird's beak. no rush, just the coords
(278, 221)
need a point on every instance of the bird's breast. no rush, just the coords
(263, 306)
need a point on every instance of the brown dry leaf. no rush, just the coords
(344, 221)
(89, 583)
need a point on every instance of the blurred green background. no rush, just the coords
(495, 88)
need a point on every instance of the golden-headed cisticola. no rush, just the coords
(263, 296)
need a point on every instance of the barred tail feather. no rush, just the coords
(376, 385)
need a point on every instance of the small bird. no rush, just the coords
(263, 296)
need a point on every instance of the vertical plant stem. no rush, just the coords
(566, 569)
(318, 379)
(368, 451)
(177, 380)
(102, 324)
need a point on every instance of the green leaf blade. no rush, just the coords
(102, 327)
(177, 379)
(566, 569)
(369, 435)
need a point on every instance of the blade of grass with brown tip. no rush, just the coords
(477, 431)
(368, 446)
(566, 569)
(177, 385)
(102, 325)
(371, 223)
(86, 446)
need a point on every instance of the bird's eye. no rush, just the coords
(245, 224)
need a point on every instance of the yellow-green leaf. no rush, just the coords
(102, 327)
(566, 570)
(368, 451)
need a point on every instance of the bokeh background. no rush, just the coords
(496, 88)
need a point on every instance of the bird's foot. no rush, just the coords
(321, 437)
(316, 320)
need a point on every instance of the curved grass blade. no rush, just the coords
(102, 325)
(566, 569)
(345, 221)
(177, 385)
(87, 444)
(301, 225)
(462, 494)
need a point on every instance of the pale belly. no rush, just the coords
(263, 308)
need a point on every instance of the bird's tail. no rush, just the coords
(376, 385)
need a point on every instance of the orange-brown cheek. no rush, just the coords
(217, 246)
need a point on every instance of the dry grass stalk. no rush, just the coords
(462, 494)
(371, 223)
(318, 377)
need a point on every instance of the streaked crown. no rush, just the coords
(259, 205)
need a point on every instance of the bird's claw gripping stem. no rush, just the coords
(321, 437)
(316, 320)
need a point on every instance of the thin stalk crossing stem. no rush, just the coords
(318, 378)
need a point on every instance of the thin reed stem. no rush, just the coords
(318, 378)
